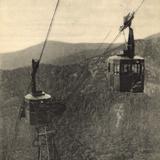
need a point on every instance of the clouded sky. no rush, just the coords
(24, 23)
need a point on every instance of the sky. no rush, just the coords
(24, 23)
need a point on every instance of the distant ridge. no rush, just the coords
(53, 51)
(154, 36)
(63, 53)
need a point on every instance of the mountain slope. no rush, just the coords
(54, 50)
(97, 124)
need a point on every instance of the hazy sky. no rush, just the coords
(25, 22)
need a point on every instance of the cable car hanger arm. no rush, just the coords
(129, 17)
(126, 24)
(139, 6)
(35, 63)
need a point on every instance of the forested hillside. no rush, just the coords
(97, 124)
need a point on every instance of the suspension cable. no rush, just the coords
(101, 44)
(49, 29)
(85, 73)
(139, 6)
(117, 36)
(108, 49)
(120, 31)
(111, 44)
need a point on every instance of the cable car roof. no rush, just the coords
(116, 57)
(42, 97)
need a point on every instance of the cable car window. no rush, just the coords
(33, 107)
(142, 68)
(109, 67)
(138, 68)
(134, 68)
(116, 68)
(126, 68)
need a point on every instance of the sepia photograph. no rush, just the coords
(79, 80)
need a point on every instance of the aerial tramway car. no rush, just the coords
(40, 107)
(126, 71)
